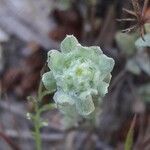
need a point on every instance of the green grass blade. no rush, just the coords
(129, 138)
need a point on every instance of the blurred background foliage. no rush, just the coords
(29, 28)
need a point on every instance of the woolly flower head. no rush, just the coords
(78, 75)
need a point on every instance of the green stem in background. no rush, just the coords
(37, 134)
(129, 138)
(36, 117)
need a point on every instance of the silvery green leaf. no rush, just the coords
(68, 44)
(71, 116)
(141, 43)
(143, 60)
(133, 67)
(55, 60)
(97, 77)
(106, 65)
(91, 52)
(83, 51)
(103, 88)
(107, 78)
(49, 81)
(97, 49)
(84, 104)
(140, 62)
(126, 42)
(67, 109)
(62, 98)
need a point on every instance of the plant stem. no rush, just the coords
(37, 122)
(37, 131)
(37, 116)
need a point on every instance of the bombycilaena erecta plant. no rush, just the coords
(79, 76)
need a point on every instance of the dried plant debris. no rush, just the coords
(141, 17)
(67, 22)
(24, 79)
(11, 77)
